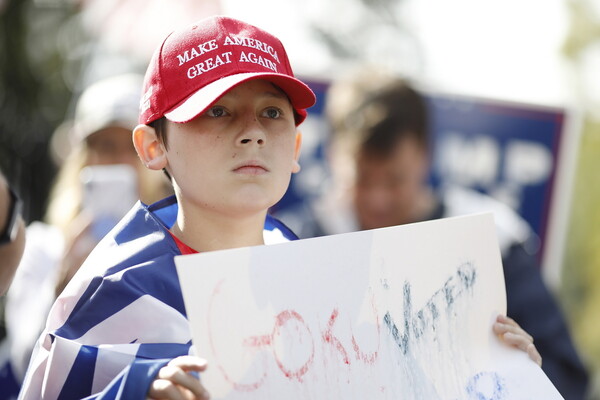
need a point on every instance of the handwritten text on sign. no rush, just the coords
(401, 312)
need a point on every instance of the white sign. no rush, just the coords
(395, 313)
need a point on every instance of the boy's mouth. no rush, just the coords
(251, 168)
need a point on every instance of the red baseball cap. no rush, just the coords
(196, 65)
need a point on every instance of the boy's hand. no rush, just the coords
(514, 335)
(175, 383)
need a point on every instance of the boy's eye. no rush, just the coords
(216, 111)
(272, 112)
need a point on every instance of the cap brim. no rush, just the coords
(300, 95)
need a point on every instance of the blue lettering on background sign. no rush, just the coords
(507, 150)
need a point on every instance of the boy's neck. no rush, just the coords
(208, 233)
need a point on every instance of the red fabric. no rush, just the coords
(184, 248)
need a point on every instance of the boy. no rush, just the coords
(219, 114)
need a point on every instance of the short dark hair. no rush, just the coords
(160, 127)
(389, 115)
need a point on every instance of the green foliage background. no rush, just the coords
(580, 289)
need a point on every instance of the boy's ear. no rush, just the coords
(296, 166)
(149, 148)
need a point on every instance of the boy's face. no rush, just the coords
(238, 156)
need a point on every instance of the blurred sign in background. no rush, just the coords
(514, 152)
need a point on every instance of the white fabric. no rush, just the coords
(32, 292)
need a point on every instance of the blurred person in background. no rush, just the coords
(98, 182)
(105, 115)
(379, 158)
(12, 234)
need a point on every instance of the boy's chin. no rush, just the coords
(255, 200)
(248, 207)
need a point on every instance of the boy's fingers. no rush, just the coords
(189, 363)
(517, 341)
(175, 381)
(505, 324)
(181, 378)
(534, 354)
(168, 390)
(515, 336)
(501, 329)
(164, 389)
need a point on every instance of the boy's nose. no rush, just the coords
(247, 140)
(252, 132)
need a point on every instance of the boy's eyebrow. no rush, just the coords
(275, 93)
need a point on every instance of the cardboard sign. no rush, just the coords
(403, 312)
